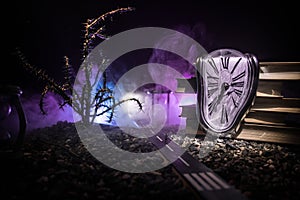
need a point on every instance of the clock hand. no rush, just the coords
(215, 102)
(220, 96)
(224, 88)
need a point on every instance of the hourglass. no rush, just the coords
(10, 102)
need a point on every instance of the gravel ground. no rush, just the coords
(53, 164)
(260, 170)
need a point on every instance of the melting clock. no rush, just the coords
(227, 84)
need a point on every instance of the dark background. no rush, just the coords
(47, 30)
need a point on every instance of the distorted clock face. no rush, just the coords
(228, 83)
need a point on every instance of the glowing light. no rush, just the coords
(131, 107)
(102, 119)
(128, 113)
(187, 99)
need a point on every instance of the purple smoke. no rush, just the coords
(34, 117)
(186, 69)
(196, 32)
(54, 114)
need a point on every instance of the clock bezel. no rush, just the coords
(235, 125)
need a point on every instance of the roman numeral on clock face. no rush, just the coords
(238, 84)
(225, 62)
(210, 84)
(238, 92)
(211, 91)
(212, 105)
(236, 64)
(234, 102)
(214, 66)
(239, 76)
(212, 78)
